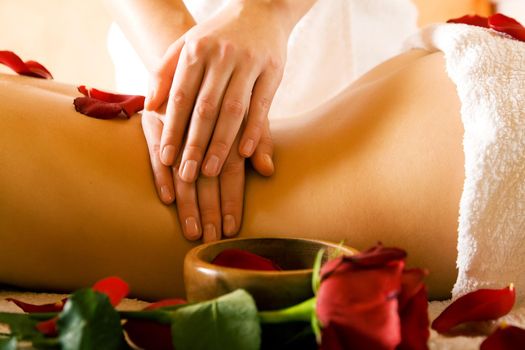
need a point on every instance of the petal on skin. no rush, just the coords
(242, 259)
(357, 301)
(106, 105)
(114, 287)
(473, 20)
(507, 25)
(480, 305)
(28, 68)
(51, 307)
(505, 338)
(149, 334)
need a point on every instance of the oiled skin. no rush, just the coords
(383, 161)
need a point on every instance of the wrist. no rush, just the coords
(288, 12)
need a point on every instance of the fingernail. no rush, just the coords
(247, 148)
(165, 194)
(212, 166)
(168, 154)
(192, 229)
(210, 233)
(268, 160)
(229, 224)
(189, 171)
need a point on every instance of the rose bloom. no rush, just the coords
(370, 301)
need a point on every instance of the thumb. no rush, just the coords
(262, 158)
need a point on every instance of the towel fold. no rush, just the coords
(488, 69)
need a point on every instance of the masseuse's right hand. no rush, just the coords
(221, 74)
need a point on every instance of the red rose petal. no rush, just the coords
(48, 327)
(377, 256)
(115, 288)
(480, 305)
(505, 338)
(29, 68)
(507, 25)
(106, 105)
(357, 302)
(473, 20)
(414, 322)
(242, 259)
(152, 335)
(51, 307)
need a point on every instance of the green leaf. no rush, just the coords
(89, 321)
(228, 322)
(8, 343)
(21, 325)
(316, 273)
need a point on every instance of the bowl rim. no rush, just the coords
(203, 265)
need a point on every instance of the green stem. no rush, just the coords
(157, 316)
(299, 312)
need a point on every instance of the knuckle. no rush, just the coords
(193, 151)
(209, 212)
(220, 148)
(264, 103)
(196, 47)
(206, 109)
(276, 63)
(226, 50)
(231, 205)
(179, 97)
(234, 107)
(249, 55)
(232, 168)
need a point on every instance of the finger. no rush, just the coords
(187, 208)
(183, 92)
(203, 119)
(232, 192)
(162, 78)
(260, 102)
(208, 193)
(262, 158)
(233, 109)
(162, 174)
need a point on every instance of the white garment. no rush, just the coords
(332, 45)
(489, 71)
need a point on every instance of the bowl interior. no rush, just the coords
(288, 253)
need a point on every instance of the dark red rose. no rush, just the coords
(106, 105)
(413, 311)
(505, 338)
(28, 68)
(242, 259)
(480, 305)
(360, 300)
(150, 335)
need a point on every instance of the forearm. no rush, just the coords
(151, 26)
(290, 10)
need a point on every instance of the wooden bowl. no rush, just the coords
(270, 289)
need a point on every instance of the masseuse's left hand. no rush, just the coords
(217, 73)
(213, 206)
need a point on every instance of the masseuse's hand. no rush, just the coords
(218, 72)
(214, 205)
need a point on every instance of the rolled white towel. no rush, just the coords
(488, 69)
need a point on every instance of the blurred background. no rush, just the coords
(70, 37)
(67, 36)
